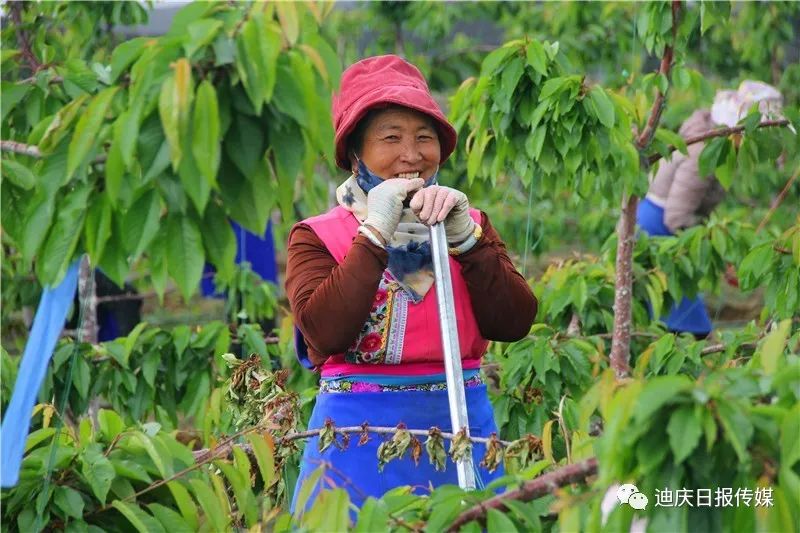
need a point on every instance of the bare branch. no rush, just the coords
(381, 430)
(20, 148)
(530, 490)
(33, 150)
(778, 201)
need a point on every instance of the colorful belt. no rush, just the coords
(344, 385)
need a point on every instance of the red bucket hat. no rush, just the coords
(380, 80)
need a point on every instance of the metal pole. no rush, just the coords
(452, 351)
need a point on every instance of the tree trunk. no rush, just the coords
(626, 238)
(87, 298)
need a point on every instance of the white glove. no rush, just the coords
(385, 204)
(436, 203)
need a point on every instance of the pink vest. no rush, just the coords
(400, 337)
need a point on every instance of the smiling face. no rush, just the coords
(399, 142)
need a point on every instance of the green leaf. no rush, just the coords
(194, 183)
(141, 223)
(206, 137)
(98, 227)
(245, 146)
(257, 47)
(496, 58)
(185, 503)
(125, 54)
(174, 105)
(772, 347)
(161, 460)
(185, 253)
(115, 173)
(330, 511)
(264, 450)
(711, 154)
(245, 501)
(126, 133)
(58, 129)
(604, 106)
(219, 240)
(143, 522)
(69, 501)
(738, 429)
(671, 138)
(497, 521)
(13, 93)
(684, 431)
(18, 174)
(98, 471)
(87, 128)
(536, 56)
(201, 33)
(59, 247)
(659, 391)
(210, 504)
(308, 486)
(110, 424)
(287, 15)
(790, 437)
(172, 521)
(372, 516)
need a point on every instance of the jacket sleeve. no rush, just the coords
(330, 301)
(686, 193)
(502, 301)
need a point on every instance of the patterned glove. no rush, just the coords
(436, 203)
(385, 204)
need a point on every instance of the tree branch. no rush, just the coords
(33, 151)
(20, 148)
(626, 238)
(646, 137)
(200, 455)
(530, 490)
(778, 201)
(723, 132)
(15, 12)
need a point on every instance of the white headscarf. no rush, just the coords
(731, 106)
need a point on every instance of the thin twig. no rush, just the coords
(214, 454)
(20, 148)
(716, 348)
(722, 132)
(52, 81)
(381, 430)
(15, 12)
(530, 490)
(33, 150)
(778, 201)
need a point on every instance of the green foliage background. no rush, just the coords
(138, 152)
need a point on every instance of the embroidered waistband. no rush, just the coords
(344, 385)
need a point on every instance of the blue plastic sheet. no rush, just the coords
(47, 325)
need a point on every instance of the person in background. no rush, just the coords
(679, 197)
(359, 280)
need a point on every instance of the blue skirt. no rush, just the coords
(689, 315)
(356, 468)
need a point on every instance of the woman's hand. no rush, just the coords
(436, 204)
(385, 204)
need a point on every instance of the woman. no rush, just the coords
(679, 197)
(359, 280)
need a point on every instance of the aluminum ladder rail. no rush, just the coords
(452, 352)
